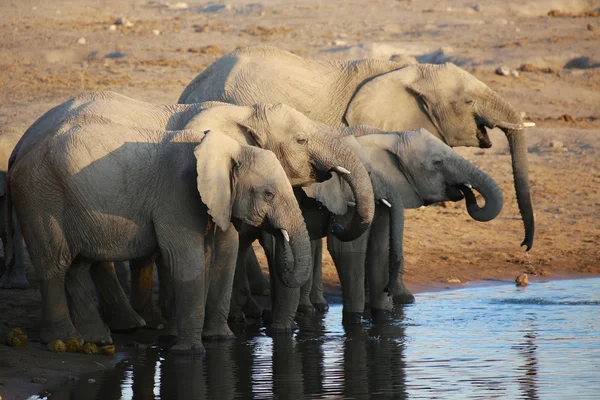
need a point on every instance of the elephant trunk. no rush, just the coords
(497, 112)
(486, 186)
(395, 208)
(293, 269)
(341, 159)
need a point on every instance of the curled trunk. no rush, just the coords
(335, 154)
(486, 186)
(497, 112)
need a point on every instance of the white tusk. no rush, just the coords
(387, 203)
(528, 124)
(469, 185)
(285, 234)
(341, 170)
(350, 203)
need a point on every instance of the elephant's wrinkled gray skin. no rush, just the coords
(12, 275)
(106, 192)
(444, 99)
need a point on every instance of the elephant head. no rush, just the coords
(305, 149)
(237, 181)
(453, 105)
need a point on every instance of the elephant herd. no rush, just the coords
(262, 145)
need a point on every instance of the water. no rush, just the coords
(539, 342)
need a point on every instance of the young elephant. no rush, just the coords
(444, 99)
(102, 192)
(408, 170)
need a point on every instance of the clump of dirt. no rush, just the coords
(536, 69)
(585, 14)
(211, 49)
(265, 31)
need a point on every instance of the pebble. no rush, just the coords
(81, 41)
(505, 71)
(591, 27)
(39, 380)
(112, 28)
(452, 280)
(556, 144)
(339, 42)
(155, 32)
(522, 280)
(177, 6)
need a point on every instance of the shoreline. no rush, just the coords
(19, 367)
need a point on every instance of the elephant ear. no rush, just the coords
(334, 194)
(233, 120)
(216, 163)
(390, 101)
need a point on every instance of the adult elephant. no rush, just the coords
(306, 153)
(98, 192)
(444, 99)
(408, 170)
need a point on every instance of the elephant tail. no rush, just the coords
(8, 217)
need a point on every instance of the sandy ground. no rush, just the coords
(53, 50)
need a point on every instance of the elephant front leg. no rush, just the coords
(113, 303)
(221, 276)
(185, 264)
(141, 296)
(82, 306)
(349, 260)
(316, 293)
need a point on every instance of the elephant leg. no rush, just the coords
(185, 263)
(349, 260)
(82, 305)
(316, 293)
(305, 307)
(14, 276)
(221, 282)
(114, 306)
(242, 303)
(284, 300)
(377, 264)
(141, 296)
(259, 283)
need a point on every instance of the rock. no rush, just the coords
(477, 7)
(91, 380)
(81, 41)
(112, 28)
(155, 32)
(57, 346)
(567, 118)
(120, 21)
(556, 144)
(522, 280)
(210, 49)
(339, 42)
(39, 379)
(504, 71)
(591, 27)
(452, 280)
(177, 6)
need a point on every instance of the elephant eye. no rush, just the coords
(301, 140)
(438, 163)
(470, 102)
(269, 194)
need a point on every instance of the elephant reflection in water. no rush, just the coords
(359, 362)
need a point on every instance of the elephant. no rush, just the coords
(12, 276)
(306, 154)
(444, 99)
(408, 170)
(104, 192)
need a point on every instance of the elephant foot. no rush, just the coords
(251, 309)
(276, 326)
(380, 315)
(95, 333)
(321, 307)
(58, 331)
(219, 331)
(402, 295)
(351, 317)
(236, 315)
(165, 342)
(122, 319)
(306, 310)
(152, 317)
(14, 278)
(189, 348)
